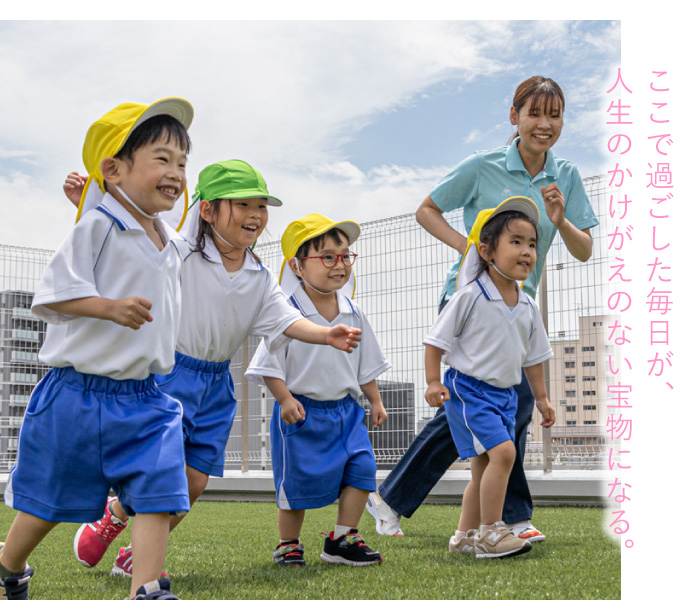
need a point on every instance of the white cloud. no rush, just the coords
(286, 96)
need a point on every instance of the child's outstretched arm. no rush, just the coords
(342, 337)
(73, 187)
(436, 394)
(129, 312)
(291, 409)
(535, 377)
(376, 408)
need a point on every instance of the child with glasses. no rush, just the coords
(320, 444)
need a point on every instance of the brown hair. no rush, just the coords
(542, 90)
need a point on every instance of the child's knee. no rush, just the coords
(503, 453)
(196, 482)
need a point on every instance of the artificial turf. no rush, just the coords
(223, 551)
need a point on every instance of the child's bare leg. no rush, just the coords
(196, 484)
(351, 505)
(149, 544)
(24, 536)
(495, 480)
(470, 517)
(289, 523)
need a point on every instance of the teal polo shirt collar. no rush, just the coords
(515, 163)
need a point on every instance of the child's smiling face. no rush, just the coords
(313, 271)
(154, 177)
(516, 250)
(239, 221)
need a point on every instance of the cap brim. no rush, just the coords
(245, 194)
(178, 108)
(521, 204)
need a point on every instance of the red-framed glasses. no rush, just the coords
(330, 259)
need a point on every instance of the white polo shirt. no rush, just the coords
(483, 338)
(220, 312)
(108, 254)
(323, 372)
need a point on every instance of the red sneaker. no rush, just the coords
(92, 539)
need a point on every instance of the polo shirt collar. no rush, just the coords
(515, 163)
(213, 255)
(301, 300)
(125, 220)
(491, 291)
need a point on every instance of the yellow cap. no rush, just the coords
(470, 260)
(304, 229)
(108, 134)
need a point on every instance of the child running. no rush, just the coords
(320, 445)
(227, 295)
(489, 330)
(111, 297)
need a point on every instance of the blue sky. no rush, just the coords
(358, 117)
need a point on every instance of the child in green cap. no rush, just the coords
(227, 295)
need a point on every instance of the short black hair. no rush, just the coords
(150, 131)
(336, 234)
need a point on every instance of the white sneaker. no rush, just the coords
(526, 531)
(387, 522)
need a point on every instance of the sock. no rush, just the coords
(340, 530)
(286, 542)
(115, 519)
(5, 573)
(460, 534)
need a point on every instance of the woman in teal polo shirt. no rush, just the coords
(526, 167)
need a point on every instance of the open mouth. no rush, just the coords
(171, 191)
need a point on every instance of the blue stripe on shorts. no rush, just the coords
(313, 459)
(480, 415)
(84, 434)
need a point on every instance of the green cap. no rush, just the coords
(234, 179)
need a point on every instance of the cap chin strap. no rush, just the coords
(493, 264)
(315, 290)
(134, 206)
(296, 262)
(218, 235)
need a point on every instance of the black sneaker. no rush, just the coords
(16, 588)
(155, 590)
(290, 554)
(349, 549)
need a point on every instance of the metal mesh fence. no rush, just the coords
(400, 271)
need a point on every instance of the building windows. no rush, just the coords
(589, 377)
(589, 407)
(569, 349)
(570, 393)
(589, 363)
(570, 422)
(590, 422)
(588, 348)
(570, 409)
(571, 378)
(570, 364)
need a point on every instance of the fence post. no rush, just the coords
(546, 431)
(244, 409)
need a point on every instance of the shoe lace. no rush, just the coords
(107, 529)
(355, 538)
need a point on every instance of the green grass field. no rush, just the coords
(223, 551)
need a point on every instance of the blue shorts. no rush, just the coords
(205, 390)
(315, 458)
(84, 434)
(480, 415)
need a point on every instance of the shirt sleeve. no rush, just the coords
(70, 274)
(263, 364)
(451, 320)
(540, 350)
(373, 362)
(275, 316)
(459, 187)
